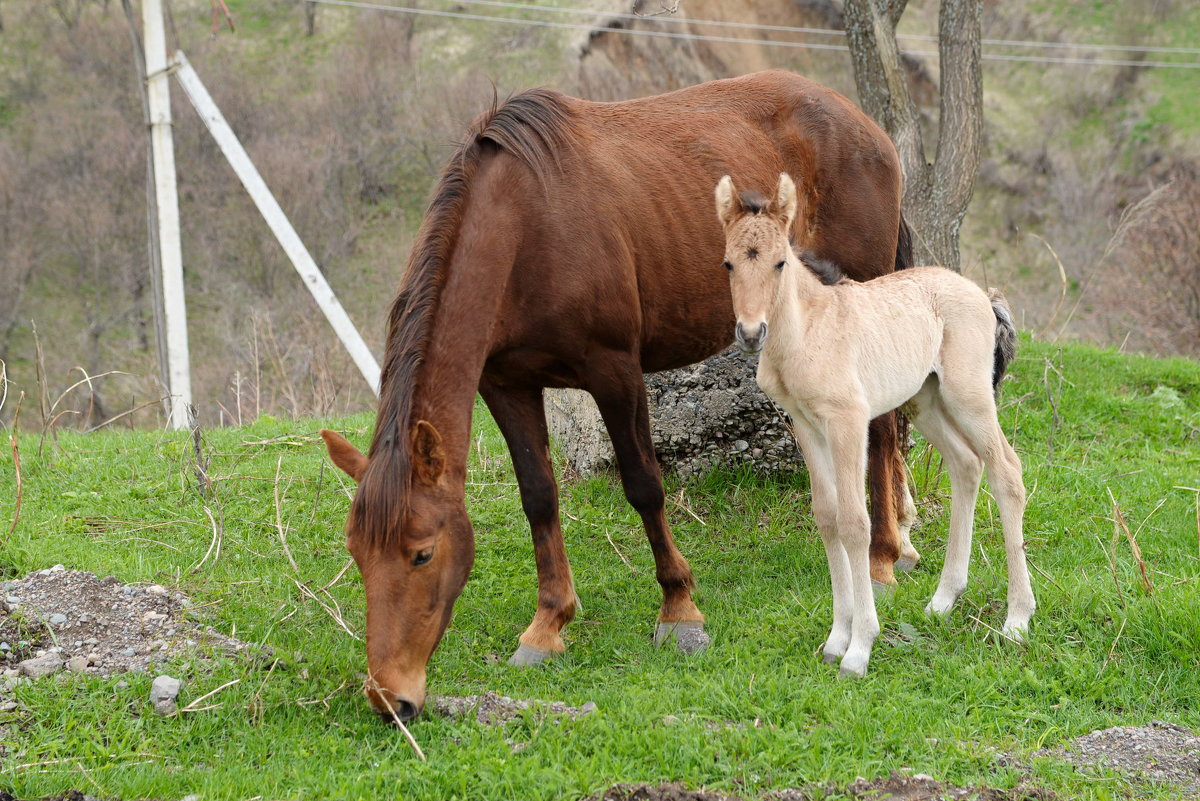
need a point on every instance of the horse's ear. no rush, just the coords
(785, 200)
(344, 455)
(429, 460)
(728, 204)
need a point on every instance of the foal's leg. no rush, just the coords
(522, 420)
(620, 393)
(821, 478)
(973, 409)
(966, 470)
(845, 433)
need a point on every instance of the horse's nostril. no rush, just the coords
(404, 710)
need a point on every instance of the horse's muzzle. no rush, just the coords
(405, 710)
(750, 341)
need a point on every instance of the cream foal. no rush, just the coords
(835, 356)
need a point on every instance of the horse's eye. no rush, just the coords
(780, 265)
(729, 266)
(422, 557)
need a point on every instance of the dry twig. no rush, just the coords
(279, 520)
(16, 452)
(374, 685)
(192, 707)
(1120, 526)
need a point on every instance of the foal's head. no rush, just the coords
(757, 251)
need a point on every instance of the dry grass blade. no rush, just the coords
(16, 452)
(1112, 566)
(333, 613)
(374, 685)
(279, 520)
(1119, 522)
(338, 577)
(193, 706)
(217, 537)
(996, 631)
(1062, 294)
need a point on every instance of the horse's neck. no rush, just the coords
(802, 296)
(458, 344)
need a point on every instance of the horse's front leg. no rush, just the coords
(615, 381)
(821, 479)
(521, 417)
(846, 432)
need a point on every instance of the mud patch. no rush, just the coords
(491, 709)
(97, 625)
(896, 787)
(1161, 752)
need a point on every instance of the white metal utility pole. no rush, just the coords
(179, 374)
(309, 272)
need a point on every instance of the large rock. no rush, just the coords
(707, 415)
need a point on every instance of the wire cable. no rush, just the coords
(362, 4)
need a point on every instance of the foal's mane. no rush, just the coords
(534, 127)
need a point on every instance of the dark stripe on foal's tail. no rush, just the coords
(1006, 338)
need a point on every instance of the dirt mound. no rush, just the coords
(1161, 752)
(491, 709)
(57, 617)
(896, 787)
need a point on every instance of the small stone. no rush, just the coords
(57, 569)
(41, 666)
(91, 641)
(79, 643)
(121, 685)
(13, 600)
(94, 659)
(11, 673)
(57, 619)
(156, 589)
(5, 646)
(77, 664)
(85, 618)
(741, 445)
(588, 708)
(163, 693)
(129, 652)
(8, 706)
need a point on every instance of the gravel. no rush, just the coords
(491, 709)
(1161, 752)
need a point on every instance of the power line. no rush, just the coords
(735, 39)
(820, 31)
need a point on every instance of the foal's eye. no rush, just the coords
(422, 557)
(729, 266)
(779, 266)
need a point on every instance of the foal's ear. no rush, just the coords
(429, 460)
(785, 200)
(727, 203)
(344, 455)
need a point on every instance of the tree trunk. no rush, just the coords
(936, 195)
(310, 18)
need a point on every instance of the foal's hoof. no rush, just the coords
(830, 659)
(527, 655)
(690, 636)
(852, 672)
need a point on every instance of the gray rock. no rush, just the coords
(57, 619)
(8, 706)
(707, 415)
(163, 693)
(156, 589)
(77, 664)
(41, 666)
(5, 646)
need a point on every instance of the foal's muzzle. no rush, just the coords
(750, 340)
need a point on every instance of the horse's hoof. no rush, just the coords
(527, 655)
(852, 672)
(882, 591)
(690, 636)
(937, 608)
(1015, 631)
(830, 659)
(907, 562)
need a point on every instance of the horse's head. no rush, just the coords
(414, 563)
(757, 247)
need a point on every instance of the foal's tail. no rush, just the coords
(1006, 338)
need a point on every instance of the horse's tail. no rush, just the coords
(1006, 338)
(904, 245)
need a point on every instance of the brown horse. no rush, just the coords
(572, 244)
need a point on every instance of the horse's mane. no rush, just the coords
(824, 269)
(534, 127)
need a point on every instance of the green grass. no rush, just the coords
(942, 697)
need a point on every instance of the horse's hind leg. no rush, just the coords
(620, 394)
(522, 420)
(906, 517)
(883, 449)
(966, 470)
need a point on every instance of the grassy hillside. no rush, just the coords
(758, 711)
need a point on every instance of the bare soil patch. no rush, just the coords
(68, 618)
(896, 787)
(1161, 752)
(491, 709)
